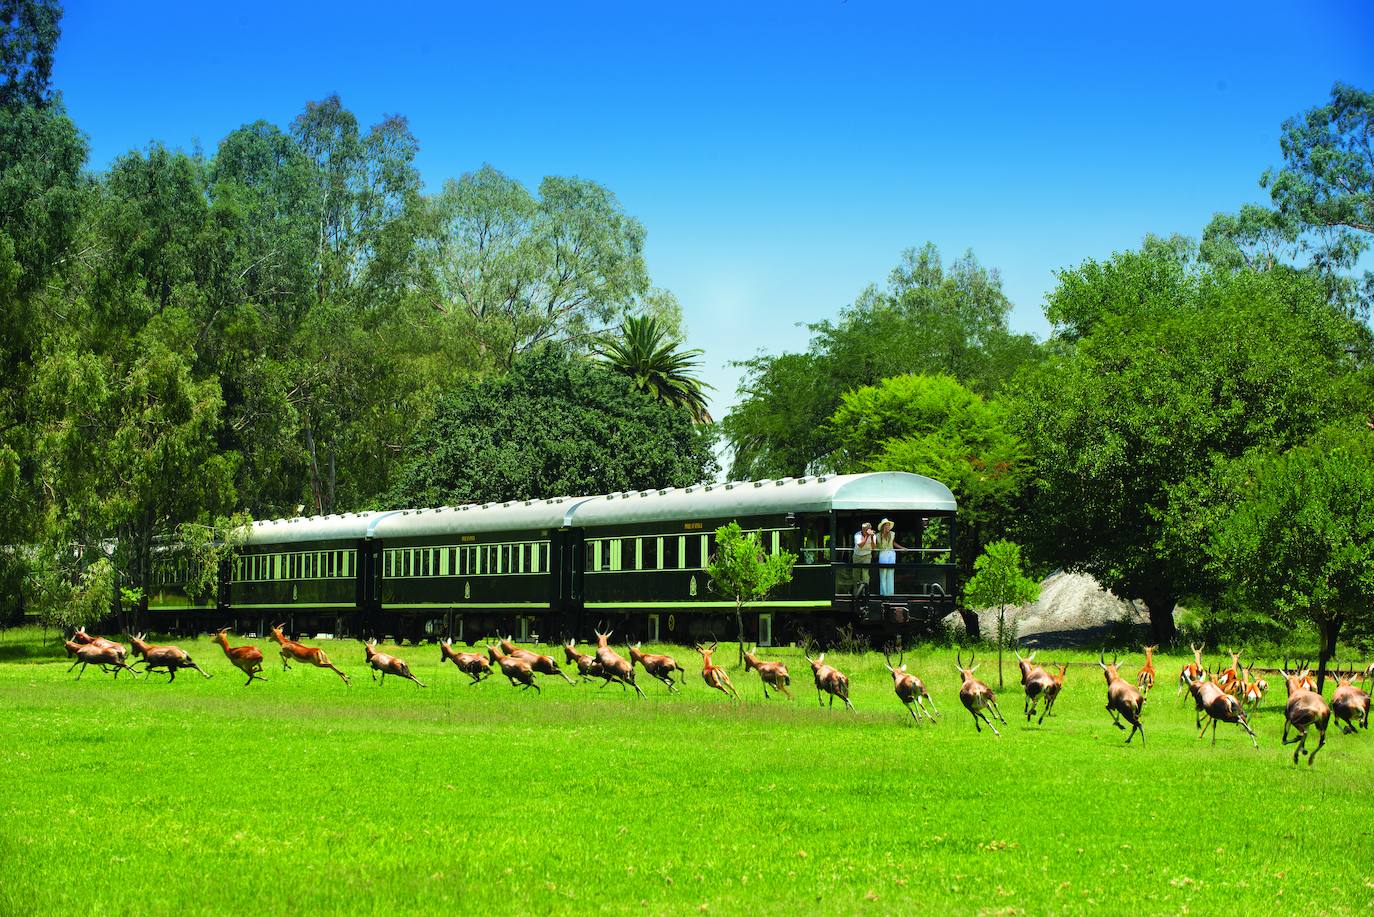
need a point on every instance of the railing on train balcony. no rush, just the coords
(919, 573)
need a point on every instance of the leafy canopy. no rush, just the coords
(646, 352)
(555, 424)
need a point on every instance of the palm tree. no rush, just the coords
(648, 354)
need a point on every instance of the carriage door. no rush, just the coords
(569, 555)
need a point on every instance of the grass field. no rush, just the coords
(303, 795)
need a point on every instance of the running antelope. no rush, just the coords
(290, 649)
(613, 667)
(1124, 699)
(544, 665)
(170, 658)
(1301, 678)
(587, 666)
(976, 696)
(91, 654)
(830, 680)
(473, 665)
(1349, 703)
(714, 675)
(1304, 710)
(519, 670)
(658, 666)
(1052, 692)
(770, 673)
(909, 689)
(1036, 682)
(248, 659)
(1193, 671)
(1219, 706)
(1145, 679)
(387, 665)
(85, 639)
(1254, 689)
(1228, 680)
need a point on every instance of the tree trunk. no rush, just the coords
(1161, 605)
(971, 625)
(329, 485)
(739, 629)
(315, 489)
(1330, 629)
(1001, 639)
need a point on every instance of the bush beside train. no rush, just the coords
(556, 568)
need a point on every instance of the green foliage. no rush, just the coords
(928, 319)
(555, 424)
(28, 34)
(1170, 370)
(1323, 202)
(513, 270)
(1297, 539)
(743, 571)
(207, 547)
(66, 601)
(648, 354)
(999, 581)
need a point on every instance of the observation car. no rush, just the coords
(556, 568)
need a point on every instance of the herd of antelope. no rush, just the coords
(1230, 695)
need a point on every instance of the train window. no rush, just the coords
(329, 563)
(543, 557)
(386, 563)
(628, 554)
(451, 562)
(422, 564)
(435, 556)
(691, 558)
(405, 563)
(708, 548)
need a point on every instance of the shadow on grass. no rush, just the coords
(27, 644)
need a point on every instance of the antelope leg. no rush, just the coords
(1320, 742)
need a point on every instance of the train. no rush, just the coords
(557, 568)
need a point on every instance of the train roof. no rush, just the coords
(892, 491)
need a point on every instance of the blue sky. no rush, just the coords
(781, 155)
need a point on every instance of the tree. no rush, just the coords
(741, 570)
(933, 425)
(516, 270)
(929, 319)
(1167, 369)
(998, 581)
(555, 424)
(1298, 539)
(1323, 202)
(28, 36)
(645, 352)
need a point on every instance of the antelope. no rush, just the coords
(909, 689)
(1145, 679)
(613, 667)
(1036, 681)
(1193, 671)
(1124, 699)
(657, 665)
(587, 666)
(1052, 692)
(1254, 689)
(387, 665)
(473, 665)
(170, 658)
(290, 649)
(1304, 710)
(519, 670)
(84, 639)
(830, 680)
(1350, 703)
(770, 673)
(1301, 678)
(976, 696)
(714, 675)
(1219, 706)
(1228, 680)
(544, 665)
(248, 659)
(90, 654)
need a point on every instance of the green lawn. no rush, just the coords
(301, 794)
